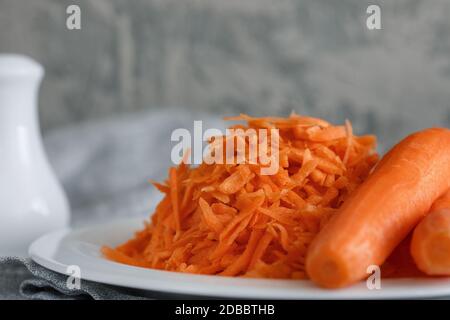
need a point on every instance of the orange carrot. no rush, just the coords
(443, 202)
(430, 244)
(174, 197)
(382, 210)
(230, 220)
(122, 258)
(400, 263)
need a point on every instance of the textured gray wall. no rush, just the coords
(230, 56)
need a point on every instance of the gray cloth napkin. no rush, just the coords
(22, 278)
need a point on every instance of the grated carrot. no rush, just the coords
(228, 219)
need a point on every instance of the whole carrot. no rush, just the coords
(382, 210)
(430, 244)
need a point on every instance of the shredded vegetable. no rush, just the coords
(231, 220)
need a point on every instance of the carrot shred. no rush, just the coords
(210, 218)
(174, 198)
(230, 220)
(260, 249)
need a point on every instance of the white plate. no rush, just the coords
(60, 249)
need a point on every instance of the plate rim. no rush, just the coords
(46, 260)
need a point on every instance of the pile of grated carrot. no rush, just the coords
(230, 220)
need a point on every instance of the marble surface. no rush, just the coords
(255, 56)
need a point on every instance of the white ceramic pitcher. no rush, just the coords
(31, 200)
